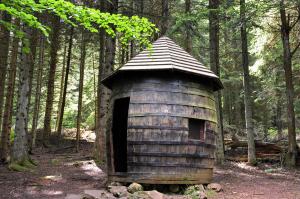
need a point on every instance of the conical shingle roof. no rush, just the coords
(167, 55)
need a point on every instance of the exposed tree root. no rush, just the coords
(24, 166)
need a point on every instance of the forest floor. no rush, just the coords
(62, 172)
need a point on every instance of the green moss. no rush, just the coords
(192, 191)
(23, 166)
(17, 167)
(210, 193)
(28, 164)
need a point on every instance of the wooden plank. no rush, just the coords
(157, 127)
(198, 162)
(187, 143)
(169, 97)
(203, 176)
(155, 134)
(158, 122)
(160, 89)
(169, 165)
(170, 82)
(159, 154)
(171, 110)
(191, 149)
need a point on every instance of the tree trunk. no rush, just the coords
(61, 83)
(38, 91)
(165, 17)
(215, 67)
(288, 72)
(82, 63)
(7, 116)
(188, 39)
(278, 118)
(63, 103)
(4, 48)
(95, 90)
(104, 93)
(33, 43)
(51, 78)
(99, 138)
(20, 146)
(247, 88)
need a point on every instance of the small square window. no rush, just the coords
(196, 129)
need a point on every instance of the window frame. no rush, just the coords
(198, 124)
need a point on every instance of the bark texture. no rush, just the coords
(8, 108)
(4, 46)
(104, 94)
(99, 140)
(82, 63)
(165, 17)
(215, 67)
(188, 39)
(63, 102)
(20, 146)
(290, 160)
(51, 77)
(247, 87)
(37, 99)
(61, 82)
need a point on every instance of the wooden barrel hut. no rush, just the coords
(163, 122)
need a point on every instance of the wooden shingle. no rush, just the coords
(166, 55)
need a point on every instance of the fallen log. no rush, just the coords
(259, 145)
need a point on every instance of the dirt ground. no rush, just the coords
(263, 182)
(63, 172)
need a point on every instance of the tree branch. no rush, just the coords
(296, 48)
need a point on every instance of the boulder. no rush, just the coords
(134, 187)
(147, 195)
(215, 186)
(99, 194)
(118, 191)
(202, 195)
(115, 184)
(86, 196)
(73, 196)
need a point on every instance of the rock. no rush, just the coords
(215, 186)
(202, 195)
(99, 194)
(118, 191)
(86, 196)
(155, 194)
(200, 187)
(73, 196)
(174, 188)
(147, 195)
(115, 184)
(134, 187)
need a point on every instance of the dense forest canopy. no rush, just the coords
(71, 45)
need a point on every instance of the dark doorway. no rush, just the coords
(196, 129)
(119, 133)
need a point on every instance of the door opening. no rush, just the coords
(119, 133)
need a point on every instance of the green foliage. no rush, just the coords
(127, 28)
(90, 121)
(12, 135)
(193, 191)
